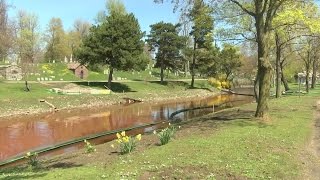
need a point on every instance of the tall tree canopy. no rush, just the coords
(6, 31)
(229, 60)
(201, 17)
(28, 37)
(116, 42)
(57, 46)
(75, 37)
(260, 15)
(165, 40)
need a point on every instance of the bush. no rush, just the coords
(89, 148)
(32, 159)
(219, 83)
(127, 143)
(166, 134)
(215, 83)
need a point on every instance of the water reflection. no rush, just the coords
(26, 133)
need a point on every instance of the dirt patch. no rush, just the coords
(311, 156)
(105, 155)
(100, 101)
(190, 172)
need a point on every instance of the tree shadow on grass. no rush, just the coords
(172, 83)
(23, 176)
(238, 117)
(64, 165)
(20, 172)
(115, 86)
(203, 88)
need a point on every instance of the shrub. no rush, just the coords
(89, 148)
(32, 158)
(225, 84)
(214, 82)
(166, 134)
(127, 143)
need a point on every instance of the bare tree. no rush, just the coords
(6, 30)
(28, 42)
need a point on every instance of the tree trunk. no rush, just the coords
(264, 68)
(186, 69)
(285, 82)
(27, 88)
(307, 63)
(283, 79)
(110, 77)
(193, 64)
(307, 80)
(278, 69)
(314, 73)
(256, 88)
(161, 71)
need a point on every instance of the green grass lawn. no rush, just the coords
(212, 148)
(59, 72)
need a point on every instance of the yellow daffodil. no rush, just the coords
(169, 124)
(125, 139)
(154, 132)
(85, 141)
(118, 136)
(28, 153)
(138, 137)
(123, 133)
(112, 145)
(119, 141)
(179, 127)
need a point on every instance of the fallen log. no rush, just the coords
(49, 104)
(130, 100)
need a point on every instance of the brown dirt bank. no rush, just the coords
(104, 101)
(105, 155)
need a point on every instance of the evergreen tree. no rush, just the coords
(202, 28)
(115, 42)
(165, 39)
(229, 60)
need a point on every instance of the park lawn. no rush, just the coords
(15, 100)
(227, 145)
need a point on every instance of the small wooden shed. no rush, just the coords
(11, 72)
(79, 70)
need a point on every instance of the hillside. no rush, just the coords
(60, 72)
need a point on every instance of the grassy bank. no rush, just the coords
(15, 100)
(60, 72)
(226, 145)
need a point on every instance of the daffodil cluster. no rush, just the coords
(89, 148)
(32, 158)
(127, 143)
(166, 134)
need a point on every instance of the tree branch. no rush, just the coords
(243, 8)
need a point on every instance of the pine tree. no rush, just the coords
(165, 39)
(116, 42)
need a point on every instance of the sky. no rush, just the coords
(146, 11)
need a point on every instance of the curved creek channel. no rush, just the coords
(19, 135)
